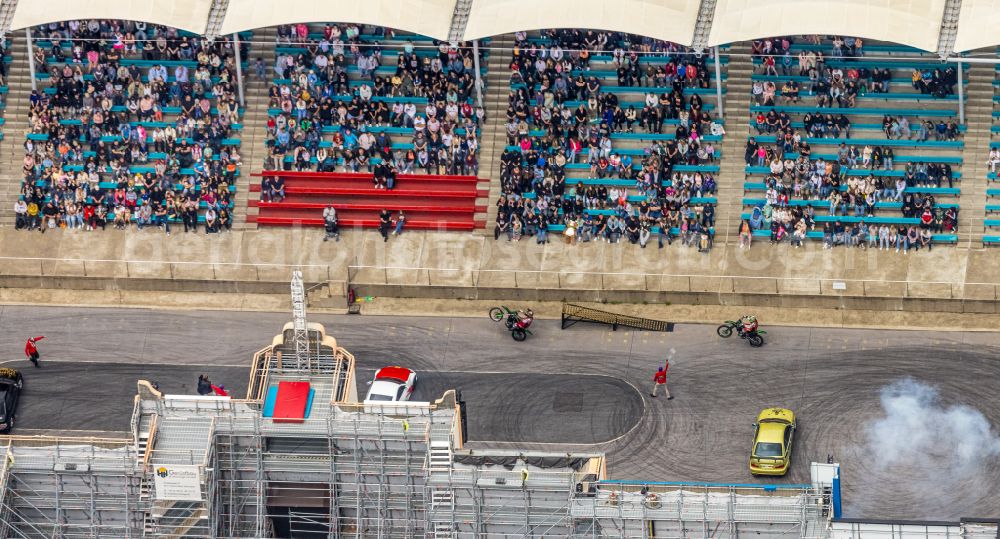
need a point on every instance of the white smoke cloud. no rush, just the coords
(918, 429)
(919, 449)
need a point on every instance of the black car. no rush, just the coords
(10, 392)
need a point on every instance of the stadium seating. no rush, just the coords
(5, 60)
(429, 202)
(396, 114)
(991, 223)
(888, 91)
(177, 148)
(581, 173)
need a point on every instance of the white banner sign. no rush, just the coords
(177, 483)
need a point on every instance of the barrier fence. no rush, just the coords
(223, 271)
(664, 282)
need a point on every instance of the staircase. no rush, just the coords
(442, 508)
(978, 120)
(145, 431)
(254, 134)
(16, 116)
(737, 116)
(493, 139)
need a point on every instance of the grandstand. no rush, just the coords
(159, 144)
(644, 134)
(339, 131)
(394, 124)
(878, 153)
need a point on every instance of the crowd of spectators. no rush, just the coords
(837, 83)
(313, 94)
(557, 115)
(118, 142)
(790, 164)
(795, 223)
(670, 217)
(830, 184)
(839, 126)
(856, 179)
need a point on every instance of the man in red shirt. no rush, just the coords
(31, 350)
(660, 379)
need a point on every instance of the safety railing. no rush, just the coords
(136, 420)
(360, 275)
(227, 271)
(849, 528)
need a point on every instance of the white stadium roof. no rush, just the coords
(943, 26)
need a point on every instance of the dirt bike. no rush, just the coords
(517, 327)
(753, 337)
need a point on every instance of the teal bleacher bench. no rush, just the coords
(637, 166)
(760, 186)
(781, 79)
(898, 159)
(857, 111)
(854, 126)
(857, 219)
(655, 230)
(818, 235)
(816, 203)
(852, 172)
(932, 62)
(770, 139)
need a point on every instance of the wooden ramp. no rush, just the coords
(572, 314)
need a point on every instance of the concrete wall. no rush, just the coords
(469, 266)
(805, 301)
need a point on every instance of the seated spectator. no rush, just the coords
(20, 214)
(993, 159)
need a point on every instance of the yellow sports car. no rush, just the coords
(771, 453)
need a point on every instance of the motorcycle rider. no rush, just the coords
(524, 318)
(748, 325)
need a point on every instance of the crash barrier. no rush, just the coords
(572, 314)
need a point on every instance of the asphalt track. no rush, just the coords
(74, 396)
(585, 388)
(68, 396)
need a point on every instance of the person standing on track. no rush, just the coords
(660, 380)
(204, 385)
(31, 350)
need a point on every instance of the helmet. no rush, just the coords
(529, 312)
(749, 319)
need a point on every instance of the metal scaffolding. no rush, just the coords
(70, 488)
(300, 337)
